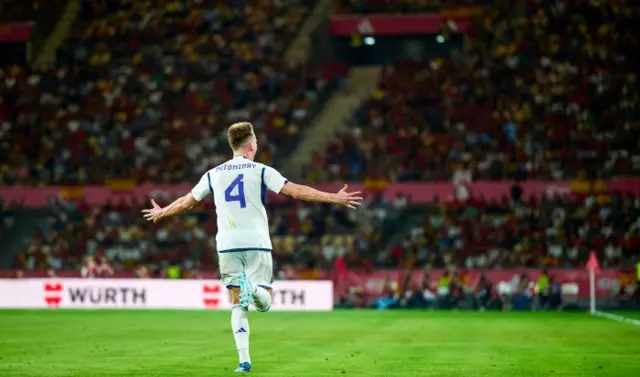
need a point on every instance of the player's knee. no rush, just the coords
(234, 295)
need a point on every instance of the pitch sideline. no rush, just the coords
(617, 318)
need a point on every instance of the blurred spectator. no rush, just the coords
(456, 292)
(554, 293)
(89, 269)
(193, 272)
(444, 285)
(406, 290)
(142, 272)
(522, 297)
(484, 292)
(172, 272)
(400, 202)
(544, 289)
(104, 269)
(389, 298)
(354, 299)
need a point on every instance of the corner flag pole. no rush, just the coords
(592, 289)
(594, 268)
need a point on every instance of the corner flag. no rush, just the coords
(594, 268)
(592, 264)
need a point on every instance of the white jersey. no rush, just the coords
(239, 189)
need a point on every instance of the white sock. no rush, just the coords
(261, 299)
(240, 327)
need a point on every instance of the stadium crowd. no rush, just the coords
(453, 291)
(475, 234)
(552, 232)
(118, 234)
(145, 90)
(545, 90)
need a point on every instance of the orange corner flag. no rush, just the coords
(593, 264)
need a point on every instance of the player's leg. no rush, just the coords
(231, 269)
(259, 270)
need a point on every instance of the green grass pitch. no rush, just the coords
(340, 343)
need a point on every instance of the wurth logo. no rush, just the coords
(292, 297)
(211, 295)
(53, 294)
(108, 295)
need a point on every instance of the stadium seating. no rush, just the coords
(557, 232)
(118, 231)
(145, 90)
(548, 93)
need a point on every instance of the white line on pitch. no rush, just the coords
(616, 317)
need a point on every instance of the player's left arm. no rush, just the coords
(182, 204)
(278, 184)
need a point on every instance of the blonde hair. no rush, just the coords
(238, 134)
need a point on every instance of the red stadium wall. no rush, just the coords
(422, 192)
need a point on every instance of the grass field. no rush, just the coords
(351, 343)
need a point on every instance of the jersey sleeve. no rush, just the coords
(273, 179)
(203, 188)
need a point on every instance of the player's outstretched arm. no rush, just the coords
(180, 205)
(309, 194)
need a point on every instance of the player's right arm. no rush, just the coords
(182, 204)
(309, 194)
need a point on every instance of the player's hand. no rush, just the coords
(349, 199)
(154, 213)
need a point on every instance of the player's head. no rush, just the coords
(242, 140)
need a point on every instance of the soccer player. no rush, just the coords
(239, 187)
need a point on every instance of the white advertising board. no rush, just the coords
(153, 294)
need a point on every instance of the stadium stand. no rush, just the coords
(145, 90)
(553, 232)
(117, 231)
(544, 92)
(493, 143)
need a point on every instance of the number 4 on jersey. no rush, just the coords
(229, 196)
